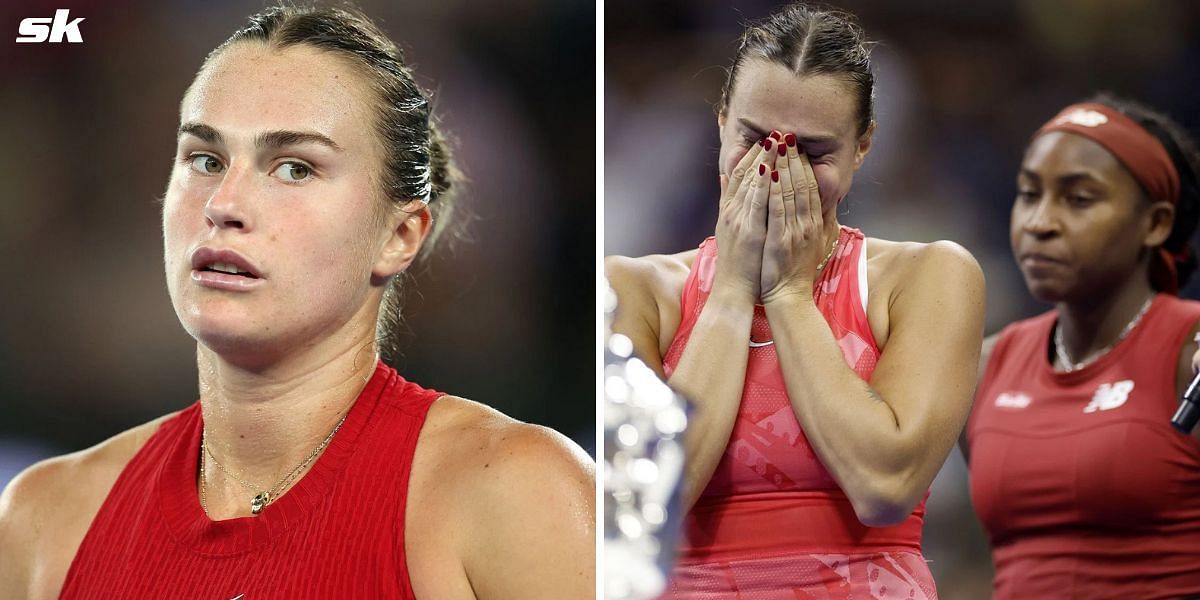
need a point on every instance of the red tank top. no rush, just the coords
(338, 533)
(1085, 489)
(772, 519)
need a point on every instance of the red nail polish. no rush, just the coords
(762, 169)
(767, 144)
(790, 140)
(775, 176)
(782, 149)
(760, 143)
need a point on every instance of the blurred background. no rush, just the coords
(960, 88)
(89, 342)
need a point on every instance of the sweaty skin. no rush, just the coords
(280, 361)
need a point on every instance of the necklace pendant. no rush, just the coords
(258, 502)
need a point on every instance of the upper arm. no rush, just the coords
(927, 371)
(637, 314)
(534, 518)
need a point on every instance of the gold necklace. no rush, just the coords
(1060, 349)
(261, 499)
(830, 254)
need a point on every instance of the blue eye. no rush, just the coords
(206, 164)
(293, 172)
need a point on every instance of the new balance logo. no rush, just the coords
(1109, 396)
(36, 30)
(1013, 400)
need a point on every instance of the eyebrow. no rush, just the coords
(802, 140)
(1068, 179)
(267, 139)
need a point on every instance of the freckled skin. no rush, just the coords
(313, 241)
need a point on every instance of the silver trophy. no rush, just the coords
(644, 421)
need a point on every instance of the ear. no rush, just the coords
(864, 145)
(406, 230)
(1162, 219)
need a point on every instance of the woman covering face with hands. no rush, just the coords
(784, 194)
(830, 372)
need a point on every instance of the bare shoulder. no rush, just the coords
(908, 280)
(78, 474)
(657, 274)
(468, 438)
(648, 291)
(902, 260)
(45, 510)
(510, 505)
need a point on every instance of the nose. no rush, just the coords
(227, 207)
(1039, 219)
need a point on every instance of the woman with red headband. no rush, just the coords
(1085, 489)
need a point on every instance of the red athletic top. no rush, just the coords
(338, 533)
(1081, 482)
(772, 520)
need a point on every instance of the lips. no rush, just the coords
(224, 270)
(1037, 265)
(1038, 258)
(225, 262)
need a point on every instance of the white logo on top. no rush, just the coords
(1085, 117)
(36, 30)
(1013, 400)
(1109, 396)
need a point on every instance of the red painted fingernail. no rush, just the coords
(790, 140)
(776, 135)
(767, 144)
(762, 169)
(775, 176)
(760, 143)
(782, 149)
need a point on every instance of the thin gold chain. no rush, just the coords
(1060, 349)
(270, 496)
(828, 256)
(203, 444)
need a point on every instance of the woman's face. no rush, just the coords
(275, 165)
(1079, 221)
(822, 110)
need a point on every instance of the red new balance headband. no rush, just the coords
(1141, 153)
(1143, 156)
